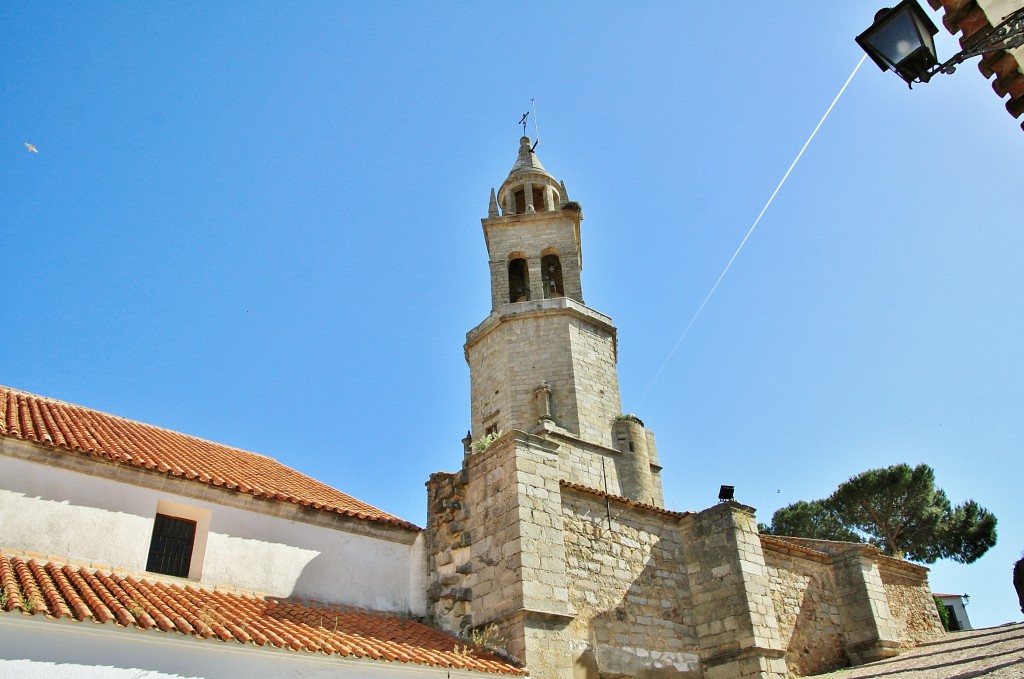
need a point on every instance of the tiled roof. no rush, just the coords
(968, 17)
(78, 593)
(73, 428)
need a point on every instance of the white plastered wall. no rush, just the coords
(70, 515)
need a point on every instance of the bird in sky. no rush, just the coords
(31, 148)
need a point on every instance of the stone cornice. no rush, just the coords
(558, 306)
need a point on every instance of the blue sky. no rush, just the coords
(258, 223)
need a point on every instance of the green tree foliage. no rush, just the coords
(810, 520)
(897, 509)
(943, 613)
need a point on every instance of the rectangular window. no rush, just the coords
(170, 550)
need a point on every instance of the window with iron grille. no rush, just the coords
(170, 550)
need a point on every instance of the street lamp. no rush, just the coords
(902, 38)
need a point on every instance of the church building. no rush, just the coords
(125, 547)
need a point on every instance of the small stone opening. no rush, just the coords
(551, 270)
(520, 199)
(518, 281)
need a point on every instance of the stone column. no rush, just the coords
(737, 630)
(536, 277)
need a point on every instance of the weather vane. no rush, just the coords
(522, 121)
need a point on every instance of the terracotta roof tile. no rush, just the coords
(78, 593)
(69, 427)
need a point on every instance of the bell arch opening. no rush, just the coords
(551, 272)
(518, 280)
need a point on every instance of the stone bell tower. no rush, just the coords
(543, 362)
(543, 379)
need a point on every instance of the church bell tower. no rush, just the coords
(545, 414)
(543, 362)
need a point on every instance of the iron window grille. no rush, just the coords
(170, 550)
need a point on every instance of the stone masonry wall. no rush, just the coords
(497, 557)
(803, 590)
(592, 466)
(601, 468)
(910, 602)
(560, 342)
(596, 379)
(631, 439)
(629, 588)
(447, 552)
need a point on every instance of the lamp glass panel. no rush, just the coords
(926, 30)
(896, 38)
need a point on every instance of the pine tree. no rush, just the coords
(897, 509)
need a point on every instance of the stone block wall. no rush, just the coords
(589, 465)
(596, 379)
(629, 588)
(631, 439)
(910, 602)
(804, 593)
(885, 603)
(448, 552)
(606, 469)
(868, 626)
(559, 342)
